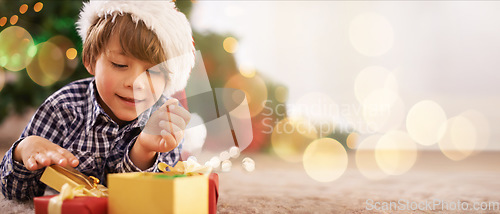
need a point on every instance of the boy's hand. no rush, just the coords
(37, 152)
(163, 132)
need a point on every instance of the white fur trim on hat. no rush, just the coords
(162, 17)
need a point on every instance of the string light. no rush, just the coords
(13, 19)
(3, 21)
(71, 53)
(23, 8)
(38, 6)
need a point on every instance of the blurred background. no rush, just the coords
(323, 79)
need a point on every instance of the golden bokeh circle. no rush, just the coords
(424, 121)
(23, 8)
(230, 44)
(71, 53)
(395, 152)
(460, 138)
(255, 91)
(281, 94)
(290, 137)
(38, 6)
(352, 140)
(365, 158)
(15, 42)
(3, 21)
(48, 64)
(247, 71)
(14, 19)
(325, 160)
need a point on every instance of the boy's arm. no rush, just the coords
(17, 181)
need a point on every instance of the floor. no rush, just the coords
(277, 186)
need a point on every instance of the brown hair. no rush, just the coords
(135, 39)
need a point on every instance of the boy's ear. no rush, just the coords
(89, 68)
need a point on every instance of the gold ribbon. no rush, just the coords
(91, 186)
(189, 167)
(55, 203)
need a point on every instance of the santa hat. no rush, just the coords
(161, 17)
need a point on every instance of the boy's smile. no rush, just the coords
(125, 84)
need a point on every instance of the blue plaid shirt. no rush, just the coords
(73, 119)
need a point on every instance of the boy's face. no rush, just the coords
(124, 83)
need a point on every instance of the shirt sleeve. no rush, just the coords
(17, 181)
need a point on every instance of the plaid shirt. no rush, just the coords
(72, 119)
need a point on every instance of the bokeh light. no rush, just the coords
(371, 34)
(325, 160)
(38, 6)
(255, 90)
(319, 109)
(424, 122)
(68, 48)
(14, 19)
(374, 78)
(15, 42)
(247, 71)
(23, 8)
(48, 64)
(365, 158)
(352, 140)
(2, 78)
(482, 125)
(230, 45)
(281, 94)
(71, 53)
(395, 152)
(459, 139)
(3, 21)
(290, 138)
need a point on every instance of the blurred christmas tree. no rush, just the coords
(53, 22)
(43, 20)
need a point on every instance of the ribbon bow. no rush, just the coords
(55, 203)
(189, 167)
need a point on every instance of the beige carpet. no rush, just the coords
(277, 186)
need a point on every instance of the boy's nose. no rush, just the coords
(137, 80)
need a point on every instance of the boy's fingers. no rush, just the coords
(174, 119)
(72, 160)
(172, 101)
(31, 163)
(168, 142)
(57, 158)
(42, 159)
(181, 112)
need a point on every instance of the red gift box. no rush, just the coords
(213, 192)
(77, 205)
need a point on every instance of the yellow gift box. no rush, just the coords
(143, 192)
(56, 176)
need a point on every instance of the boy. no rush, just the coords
(115, 121)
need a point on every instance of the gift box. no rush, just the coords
(157, 193)
(77, 205)
(213, 193)
(56, 176)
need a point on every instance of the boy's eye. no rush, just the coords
(118, 65)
